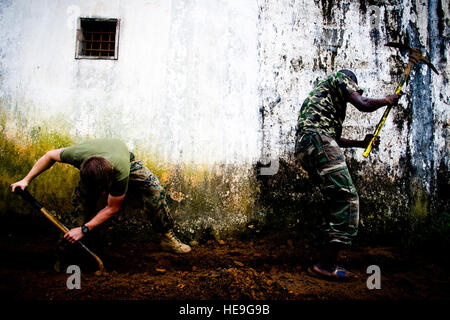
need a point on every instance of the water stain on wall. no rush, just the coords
(296, 43)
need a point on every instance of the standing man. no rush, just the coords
(106, 169)
(317, 149)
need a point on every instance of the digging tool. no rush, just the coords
(415, 56)
(29, 198)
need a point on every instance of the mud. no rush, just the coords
(259, 269)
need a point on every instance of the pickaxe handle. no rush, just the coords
(29, 198)
(403, 80)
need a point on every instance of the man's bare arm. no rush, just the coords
(346, 143)
(364, 104)
(45, 162)
(113, 205)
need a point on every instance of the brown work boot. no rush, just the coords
(169, 242)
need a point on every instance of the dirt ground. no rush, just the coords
(264, 269)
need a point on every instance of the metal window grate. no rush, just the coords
(97, 38)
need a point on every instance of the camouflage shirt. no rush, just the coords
(324, 109)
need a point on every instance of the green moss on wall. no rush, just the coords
(292, 205)
(205, 201)
(221, 201)
(20, 148)
(420, 201)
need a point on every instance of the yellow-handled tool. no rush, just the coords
(29, 198)
(415, 55)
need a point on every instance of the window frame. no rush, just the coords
(79, 38)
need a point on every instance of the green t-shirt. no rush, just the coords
(113, 150)
(324, 109)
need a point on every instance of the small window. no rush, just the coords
(97, 39)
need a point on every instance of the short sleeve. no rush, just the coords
(69, 155)
(347, 86)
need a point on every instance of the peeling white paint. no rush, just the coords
(209, 81)
(303, 39)
(184, 86)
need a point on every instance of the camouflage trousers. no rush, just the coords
(324, 161)
(142, 185)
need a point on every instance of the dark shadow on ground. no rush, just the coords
(258, 269)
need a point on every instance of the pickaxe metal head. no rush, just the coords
(415, 55)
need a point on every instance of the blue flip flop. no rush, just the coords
(338, 273)
(341, 273)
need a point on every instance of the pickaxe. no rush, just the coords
(29, 198)
(415, 56)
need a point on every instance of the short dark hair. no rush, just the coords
(350, 74)
(96, 173)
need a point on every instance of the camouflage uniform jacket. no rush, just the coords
(324, 109)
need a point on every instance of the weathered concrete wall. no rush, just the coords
(203, 89)
(182, 95)
(302, 41)
(181, 88)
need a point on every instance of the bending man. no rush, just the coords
(106, 169)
